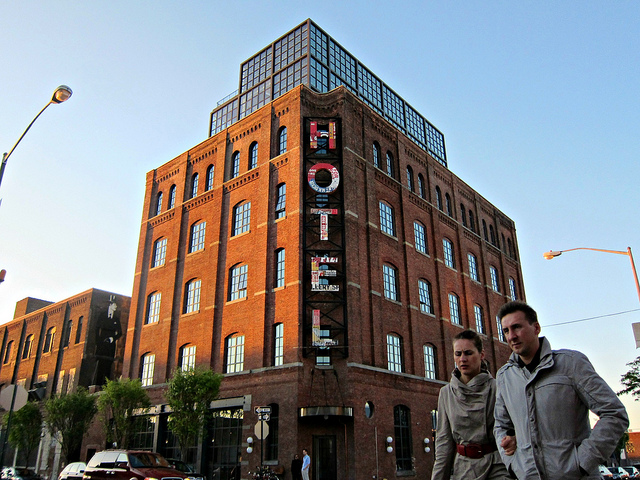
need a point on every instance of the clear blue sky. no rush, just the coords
(539, 103)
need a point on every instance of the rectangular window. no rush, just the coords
(153, 308)
(387, 224)
(79, 330)
(323, 356)
(235, 354)
(448, 253)
(280, 268)
(281, 200)
(402, 429)
(420, 237)
(72, 379)
(197, 237)
(160, 251)
(241, 218)
(188, 358)
(424, 292)
(429, 362)
(390, 282)
(477, 313)
(473, 267)
(394, 353)
(238, 282)
(278, 345)
(148, 363)
(193, 297)
(454, 309)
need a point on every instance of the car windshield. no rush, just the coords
(147, 459)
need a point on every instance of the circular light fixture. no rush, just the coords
(61, 94)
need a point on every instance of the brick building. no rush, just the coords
(317, 250)
(53, 348)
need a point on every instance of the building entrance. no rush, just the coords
(323, 457)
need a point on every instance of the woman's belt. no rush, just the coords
(475, 450)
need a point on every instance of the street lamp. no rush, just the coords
(61, 94)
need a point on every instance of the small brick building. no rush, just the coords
(317, 250)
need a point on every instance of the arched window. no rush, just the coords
(472, 222)
(473, 267)
(420, 237)
(279, 283)
(241, 218)
(238, 282)
(26, 349)
(430, 371)
(278, 344)
(390, 169)
(390, 282)
(253, 155)
(439, 198)
(492, 235)
(387, 219)
(454, 309)
(410, 178)
(504, 242)
(447, 201)
(7, 353)
(424, 293)
(512, 290)
(394, 353)
(234, 353)
(477, 313)
(281, 200)
(172, 197)
(159, 204)
(402, 429)
(192, 296)
(510, 250)
(376, 155)
(235, 164)
(484, 230)
(197, 236)
(210, 173)
(495, 283)
(147, 363)
(49, 339)
(421, 189)
(187, 358)
(282, 140)
(159, 252)
(194, 185)
(463, 215)
(449, 258)
(79, 330)
(153, 308)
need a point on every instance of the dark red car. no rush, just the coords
(130, 464)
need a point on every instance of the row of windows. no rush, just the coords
(234, 172)
(233, 356)
(238, 279)
(395, 357)
(241, 223)
(49, 341)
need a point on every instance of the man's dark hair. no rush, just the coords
(517, 306)
(470, 335)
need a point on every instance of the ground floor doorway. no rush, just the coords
(323, 458)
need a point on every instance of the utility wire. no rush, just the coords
(591, 318)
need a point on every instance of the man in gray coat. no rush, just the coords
(543, 402)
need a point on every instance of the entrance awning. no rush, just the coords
(325, 411)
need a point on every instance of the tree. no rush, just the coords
(189, 395)
(67, 418)
(631, 380)
(117, 403)
(26, 427)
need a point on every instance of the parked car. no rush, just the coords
(131, 465)
(634, 473)
(73, 471)
(185, 468)
(606, 474)
(624, 475)
(18, 473)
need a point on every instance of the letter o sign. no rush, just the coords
(335, 177)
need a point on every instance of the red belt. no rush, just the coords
(476, 450)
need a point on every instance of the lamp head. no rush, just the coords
(551, 254)
(61, 94)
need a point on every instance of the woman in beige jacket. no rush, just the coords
(465, 446)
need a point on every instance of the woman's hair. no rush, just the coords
(470, 335)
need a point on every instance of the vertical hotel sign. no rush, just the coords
(325, 319)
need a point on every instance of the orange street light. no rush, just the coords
(61, 94)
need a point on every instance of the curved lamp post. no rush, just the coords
(61, 94)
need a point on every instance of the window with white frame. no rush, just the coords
(421, 189)
(477, 313)
(512, 289)
(500, 332)
(473, 267)
(376, 155)
(49, 340)
(153, 308)
(278, 344)
(495, 285)
(159, 252)
(387, 221)
(394, 353)
(238, 282)
(420, 237)
(280, 268)
(241, 218)
(253, 155)
(282, 140)
(234, 354)
(159, 204)
(26, 349)
(172, 197)
(389, 164)
(439, 198)
(235, 164)
(281, 200)
(454, 309)
(449, 259)
(424, 293)
(210, 173)
(194, 185)
(429, 352)
(192, 301)
(187, 358)
(146, 374)
(390, 282)
(410, 178)
(197, 236)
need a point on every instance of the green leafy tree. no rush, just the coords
(116, 404)
(68, 417)
(189, 395)
(26, 427)
(631, 380)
